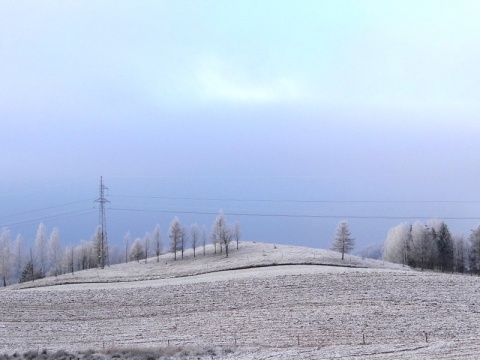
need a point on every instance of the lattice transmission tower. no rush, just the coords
(102, 240)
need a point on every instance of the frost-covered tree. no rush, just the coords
(475, 250)
(30, 273)
(397, 243)
(424, 252)
(146, 245)
(126, 241)
(69, 259)
(157, 241)
(461, 252)
(137, 252)
(55, 252)
(221, 232)
(204, 238)
(19, 256)
(183, 239)
(86, 254)
(236, 232)
(343, 242)
(445, 248)
(5, 256)
(419, 245)
(432, 228)
(194, 237)
(175, 235)
(214, 239)
(41, 248)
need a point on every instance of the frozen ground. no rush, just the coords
(280, 312)
(248, 255)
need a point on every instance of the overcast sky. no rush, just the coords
(338, 101)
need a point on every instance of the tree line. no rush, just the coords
(432, 246)
(46, 256)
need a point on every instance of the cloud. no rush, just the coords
(221, 81)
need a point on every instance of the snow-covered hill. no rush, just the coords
(247, 256)
(368, 310)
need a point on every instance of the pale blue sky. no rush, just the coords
(314, 100)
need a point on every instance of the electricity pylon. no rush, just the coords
(102, 241)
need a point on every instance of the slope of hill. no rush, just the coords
(248, 255)
(281, 312)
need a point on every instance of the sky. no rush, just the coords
(289, 115)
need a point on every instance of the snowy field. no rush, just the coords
(369, 310)
(248, 255)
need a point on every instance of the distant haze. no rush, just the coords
(365, 111)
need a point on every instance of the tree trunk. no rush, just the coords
(226, 249)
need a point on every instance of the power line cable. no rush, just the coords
(58, 216)
(43, 209)
(306, 216)
(296, 200)
(44, 187)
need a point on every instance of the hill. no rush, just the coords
(249, 255)
(313, 309)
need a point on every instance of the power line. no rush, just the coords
(43, 209)
(44, 187)
(59, 216)
(299, 200)
(306, 216)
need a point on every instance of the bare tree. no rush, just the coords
(41, 248)
(157, 240)
(194, 237)
(445, 248)
(221, 232)
(5, 256)
(214, 239)
(475, 250)
(422, 245)
(29, 273)
(236, 233)
(396, 244)
(126, 241)
(146, 244)
(86, 254)
(69, 259)
(19, 256)
(342, 241)
(460, 253)
(175, 235)
(204, 238)
(137, 251)
(55, 251)
(183, 239)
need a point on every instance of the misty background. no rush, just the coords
(289, 116)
